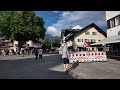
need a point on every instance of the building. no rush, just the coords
(112, 42)
(9, 45)
(113, 23)
(82, 39)
(5, 44)
(79, 38)
(66, 33)
(30, 44)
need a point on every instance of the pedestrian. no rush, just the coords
(22, 51)
(3, 52)
(36, 53)
(40, 50)
(65, 56)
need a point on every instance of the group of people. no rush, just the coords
(7, 52)
(65, 55)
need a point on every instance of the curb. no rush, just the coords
(16, 58)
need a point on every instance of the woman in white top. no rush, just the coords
(65, 57)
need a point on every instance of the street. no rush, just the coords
(50, 68)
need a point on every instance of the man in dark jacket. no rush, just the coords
(36, 53)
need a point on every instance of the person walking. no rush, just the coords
(36, 53)
(65, 57)
(40, 53)
(22, 52)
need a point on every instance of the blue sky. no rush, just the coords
(55, 21)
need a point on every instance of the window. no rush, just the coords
(119, 33)
(93, 40)
(82, 40)
(117, 20)
(108, 24)
(78, 40)
(99, 40)
(94, 33)
(112, 23)
(86, 40)
(87, 33)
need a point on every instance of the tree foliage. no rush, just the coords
(56, 43)
(47, 42)
(21, 26)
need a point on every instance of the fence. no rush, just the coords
(87, 56)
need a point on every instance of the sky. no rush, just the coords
(55, 21)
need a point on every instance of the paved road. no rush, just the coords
(97, 70)
(50, 68)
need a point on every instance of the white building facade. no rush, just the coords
(113, 22)
(113, 31)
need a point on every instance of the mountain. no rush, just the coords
(52, 38)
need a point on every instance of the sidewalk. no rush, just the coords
(14, 57)
(19, 57)
(96, 70)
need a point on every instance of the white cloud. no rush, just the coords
(82, 18)
(55, 11)
(53, 31)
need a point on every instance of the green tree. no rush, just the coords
(21, 26)
(47, 43)
(56, 43)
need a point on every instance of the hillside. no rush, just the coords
(52, 38)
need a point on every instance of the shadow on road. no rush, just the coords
(32, 69)
(74, 65)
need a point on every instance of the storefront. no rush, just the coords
(111, 45)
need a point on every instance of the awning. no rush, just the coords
(108, 40)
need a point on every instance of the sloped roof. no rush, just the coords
(77, 27)
(90, 26)
(67, 31)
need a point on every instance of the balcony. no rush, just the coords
(69, 43)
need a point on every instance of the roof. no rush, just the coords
(69, 37)
(108, 40)
(90, 26)
(77, 27)
(67, 31)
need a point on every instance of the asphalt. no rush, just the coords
(26, 67)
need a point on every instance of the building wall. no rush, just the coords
(111, 14)
(83, 36)
(30, 43)
(69, 43)
(15, 42)
(114, 30)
